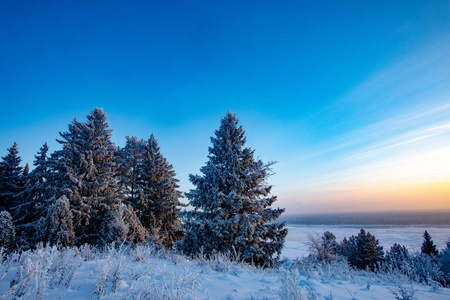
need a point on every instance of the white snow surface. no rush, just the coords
(146, 273)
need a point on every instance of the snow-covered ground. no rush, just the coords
(409, 236)
(144, 273)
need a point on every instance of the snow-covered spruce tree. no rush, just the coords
(397, 257)
(364, 251)
(87, 160)
(7, 232)
(60, 226)
(10, 178)
(158, 205)
(33, 202)
(428, 246)
(130, 160)
(232, 202)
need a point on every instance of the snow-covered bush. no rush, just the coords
(290, 288)
(60, 227)
(397, 257)
(425, 269)
(7, 232)
(322, 248)
(41, 269)
(402, 291)
(125, 227)
(156, 284)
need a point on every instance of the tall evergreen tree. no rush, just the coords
(130, 160)
(11, 182)
(33, 201)
(88, 160)
(232, 202)
(159, 203)
(428, 246)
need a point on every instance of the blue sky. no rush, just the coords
(350, 97)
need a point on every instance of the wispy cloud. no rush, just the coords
(404, 139)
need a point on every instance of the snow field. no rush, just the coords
(145, 272)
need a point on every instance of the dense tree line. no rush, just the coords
(364, 252)
(92, 191)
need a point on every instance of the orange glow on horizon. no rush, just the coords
(383, 197)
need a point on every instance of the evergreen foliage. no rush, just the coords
(33, 201)
(364, 251)
(11, 178)
(88, 161)
(26, 170)
(232, 202)
(130, 160)
(7, 231)
(428, 246)
(158, 205)
(126, 227)
(397, 257)
(60, 226)
(444, 259)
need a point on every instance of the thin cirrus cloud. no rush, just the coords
(399, 155)
(413, 160)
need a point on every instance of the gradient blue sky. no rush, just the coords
(352, 98)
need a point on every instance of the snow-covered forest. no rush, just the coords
(95, 220)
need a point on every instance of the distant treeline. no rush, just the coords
(370, 218)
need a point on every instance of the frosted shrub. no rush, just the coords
(322, 248)
(220, 262)
(175, 285)
(290, 288)
(65, 265)
(402, 291)
(20, 287)
(424, 269)
(5, 264)
(40, 269)
(87, 252)
(336, 269)
(143, 253)
(109, 272)
(103, 273)
(7, 232)
(178, 285)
